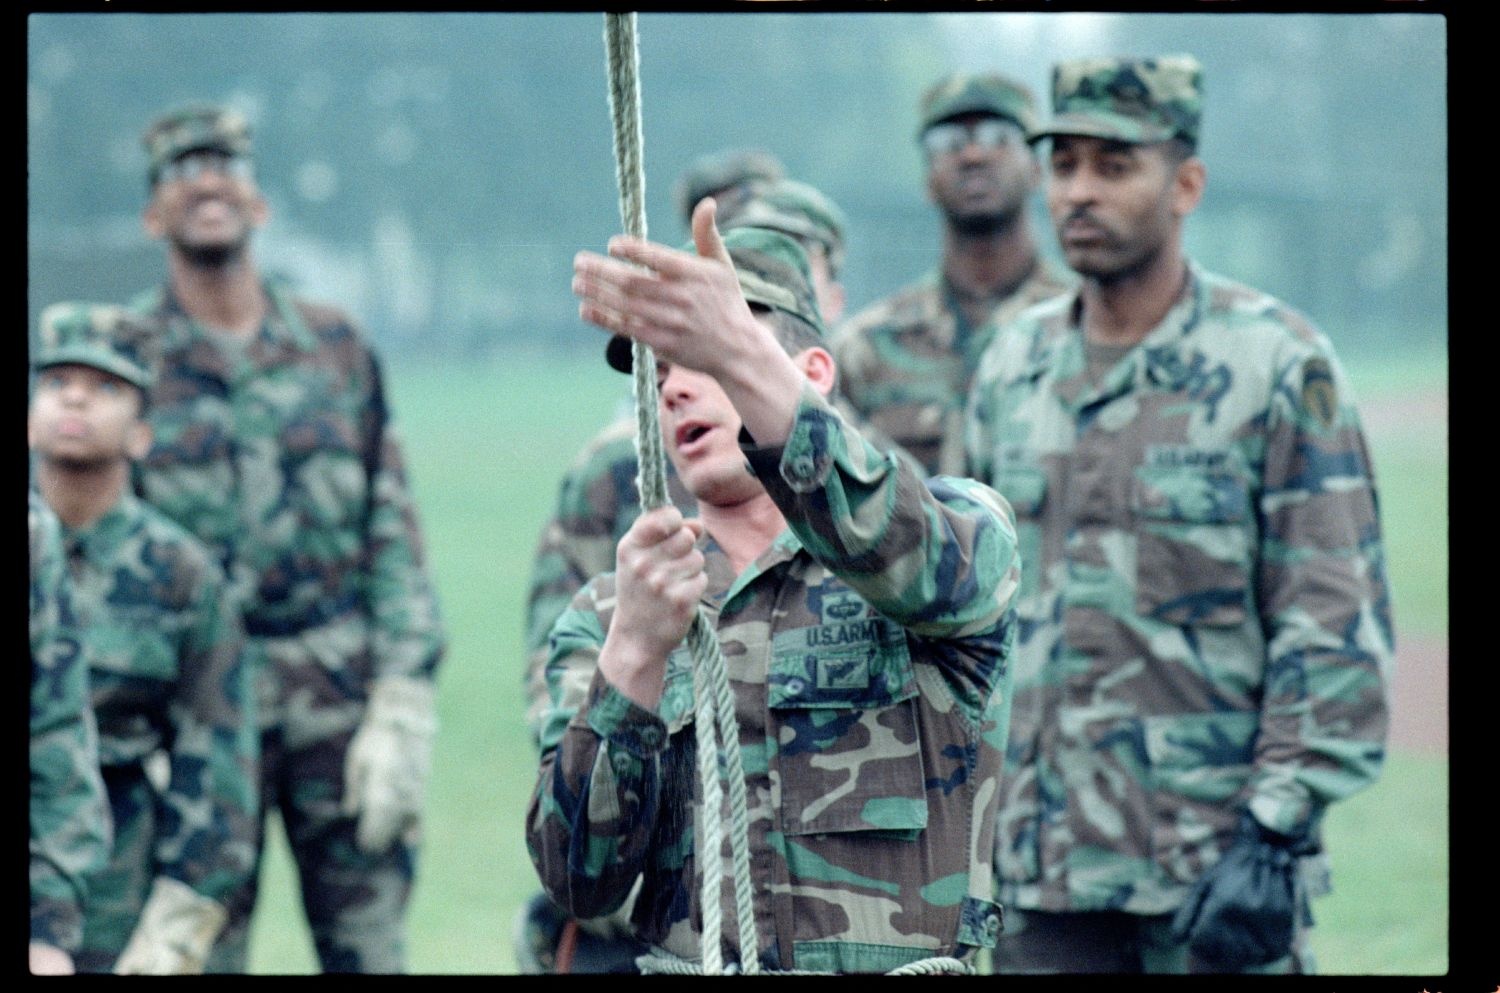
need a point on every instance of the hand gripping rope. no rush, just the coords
(717, 730)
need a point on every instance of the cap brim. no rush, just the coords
(206, 145)
(1109, 126)
(960, 109)
(618, 353)
(120, 370)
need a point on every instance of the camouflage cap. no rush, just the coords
(102, 336)
(977, 93)
(722, 170)
(792, 208)
(1127, 99)
(187, 129)
(773, 273)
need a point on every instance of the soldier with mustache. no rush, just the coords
(1206, 634)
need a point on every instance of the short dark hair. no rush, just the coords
(793, 334)
(1177, 151)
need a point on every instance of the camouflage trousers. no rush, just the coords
(355, 903)
(310, 701)
(117, 892)
(1112, 942)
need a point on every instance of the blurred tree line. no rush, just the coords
(435, 173)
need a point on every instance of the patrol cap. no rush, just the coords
(977, 93)
(1127, 99)
(793, 208)
(194, 127)
(102, 336)
(723, 170)
(773, 272)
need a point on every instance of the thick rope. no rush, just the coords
(717, 730)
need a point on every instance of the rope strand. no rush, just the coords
(717, 730)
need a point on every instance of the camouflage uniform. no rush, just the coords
(1205, 622)
(906, 362)
(279, 453)
(69, 813)
(598, 502)
(866, 651)
(167, 674)
(281, 457)
(168, 671)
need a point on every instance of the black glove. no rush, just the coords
(1243, 911)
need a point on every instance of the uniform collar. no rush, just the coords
(283, 324)
(724, 585)
(1158, 359)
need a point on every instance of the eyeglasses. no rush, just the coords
(195, 164)
(989, 133)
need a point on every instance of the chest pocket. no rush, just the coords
(843, 701)
(1193, 546)
(1025, 489)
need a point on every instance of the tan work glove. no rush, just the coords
(175, 933)
(49, 960)
(385, 771)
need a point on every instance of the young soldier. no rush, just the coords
(274, 445)
(597, 503)
(164, 647)
(68, 810)
(864, 618)
(1206, 631)
(907, 361)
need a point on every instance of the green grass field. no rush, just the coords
(487, 445)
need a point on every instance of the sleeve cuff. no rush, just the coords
(622, 722)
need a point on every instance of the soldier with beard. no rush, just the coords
(1205, 638)
(906, 361)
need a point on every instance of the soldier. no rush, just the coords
(907, 361)
(871, 766)
(69, 813)
(274, 445)
(597, 503)
(1206, 630)
(726, 175)
(166, 666)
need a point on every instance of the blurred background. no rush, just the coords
(434, 174)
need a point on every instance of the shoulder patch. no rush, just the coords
(1319, 397)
